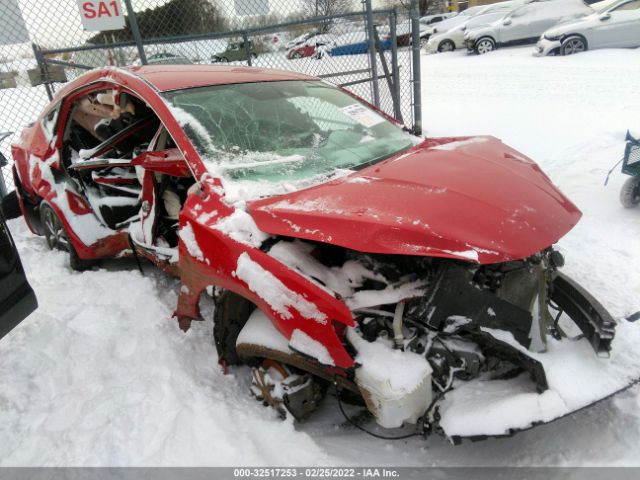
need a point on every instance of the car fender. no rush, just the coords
(209, 256)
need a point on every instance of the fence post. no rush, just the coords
(415, 50)
(247, 50)
(372, 54)
(133, 23)
(395, 71)
(42, 65)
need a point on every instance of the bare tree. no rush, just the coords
(322, 8)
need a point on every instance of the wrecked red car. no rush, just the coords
(416, 276)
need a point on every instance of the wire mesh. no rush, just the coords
(324, 38)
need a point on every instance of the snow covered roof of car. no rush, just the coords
(177, 77)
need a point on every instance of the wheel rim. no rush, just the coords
(574, 45)
(446, 46)
(54, 233)
(485, 46)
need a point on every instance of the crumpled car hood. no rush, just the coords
(467, 198)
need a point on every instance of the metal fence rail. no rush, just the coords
(349, 43)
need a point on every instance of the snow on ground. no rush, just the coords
(100, 374)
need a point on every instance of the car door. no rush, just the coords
(619, 27)
(516, 26)
(17, 299)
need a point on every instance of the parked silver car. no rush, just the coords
(453, 38)
(617, 26)
(524, 25)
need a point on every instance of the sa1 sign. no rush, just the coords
(98, 15)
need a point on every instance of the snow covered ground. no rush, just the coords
(100, 374)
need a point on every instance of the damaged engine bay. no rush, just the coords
(438, 319)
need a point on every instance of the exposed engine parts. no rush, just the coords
(275, 385)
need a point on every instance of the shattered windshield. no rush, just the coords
(283, 130)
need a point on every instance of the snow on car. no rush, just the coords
(617, 26)
(343, 250)
(524, 25)
(453, 38)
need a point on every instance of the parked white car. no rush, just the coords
(438, 17)
(524, 24)
(450, 23)
(454, 38)
(617, 26)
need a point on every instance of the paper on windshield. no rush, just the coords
(362, 115)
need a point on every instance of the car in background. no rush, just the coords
(314, 46)
(166, 58)
(436, 18)
(451, 22)
(356, 43)
(17, 299)
(454, 38)
(235, 52)
(617, 26)
(524, 25)
(299, 40)
(403, 33)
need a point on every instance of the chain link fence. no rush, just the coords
(367, 51)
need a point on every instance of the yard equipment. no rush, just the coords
(630, 192)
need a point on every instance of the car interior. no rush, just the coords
(105, 132)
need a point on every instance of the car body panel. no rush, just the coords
(503, 205)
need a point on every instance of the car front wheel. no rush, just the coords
(446, 46)
(573, 44)
(485, 45)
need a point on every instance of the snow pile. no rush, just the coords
(460, 144)
(189, 239)
(281, 299)
(576, 378)
(302, 342)
(241, 227)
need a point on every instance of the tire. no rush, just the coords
(573, 44)
(11, 205)
(254, 56)
(231, 313)
(630, 192)
(57, 238)
(485, 45)
(446, 46)
(224, 60)
(423, 42)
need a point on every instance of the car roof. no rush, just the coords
(177, 77)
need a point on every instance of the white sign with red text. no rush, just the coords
(98, 15)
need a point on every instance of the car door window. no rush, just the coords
(633, 5)
(7, 251)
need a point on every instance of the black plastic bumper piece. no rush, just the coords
(587, 313)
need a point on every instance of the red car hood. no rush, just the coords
(470, 198)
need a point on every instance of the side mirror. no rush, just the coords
(604, 17)
(170, 162)
(506, 22)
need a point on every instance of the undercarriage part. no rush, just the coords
(249, 352)
(586, 312)
(277, 386)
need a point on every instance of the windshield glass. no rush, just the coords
(285, 130)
